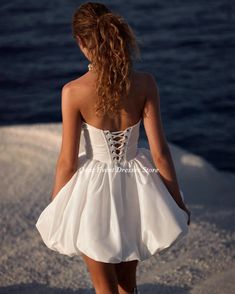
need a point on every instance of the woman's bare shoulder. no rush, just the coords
(146, 79)
(75, 92)
(145, 76)
(80, 84)
(77, 82)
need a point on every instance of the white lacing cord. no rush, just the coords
(122, 140)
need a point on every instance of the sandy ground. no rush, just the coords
(203, 262)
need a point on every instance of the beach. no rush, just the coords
(202, 262)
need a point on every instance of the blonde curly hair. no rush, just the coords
(113, 45)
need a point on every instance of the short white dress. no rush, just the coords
(115, 207)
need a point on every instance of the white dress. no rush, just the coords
(114, 208)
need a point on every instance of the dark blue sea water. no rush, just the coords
(188, 45)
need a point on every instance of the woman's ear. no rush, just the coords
(80, 41)
(83, 47)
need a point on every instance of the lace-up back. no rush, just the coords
(117, 142)
(111, 146)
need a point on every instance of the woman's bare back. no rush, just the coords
(132, 109)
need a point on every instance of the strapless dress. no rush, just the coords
(116, 206)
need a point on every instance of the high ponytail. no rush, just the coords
(112, 44)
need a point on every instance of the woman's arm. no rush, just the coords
(157, 141)
(67, 162)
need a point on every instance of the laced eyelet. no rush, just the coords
(117, 142)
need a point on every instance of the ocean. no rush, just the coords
(187, 45)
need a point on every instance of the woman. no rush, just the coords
(105, 217)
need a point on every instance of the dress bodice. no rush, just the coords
(111, 146)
